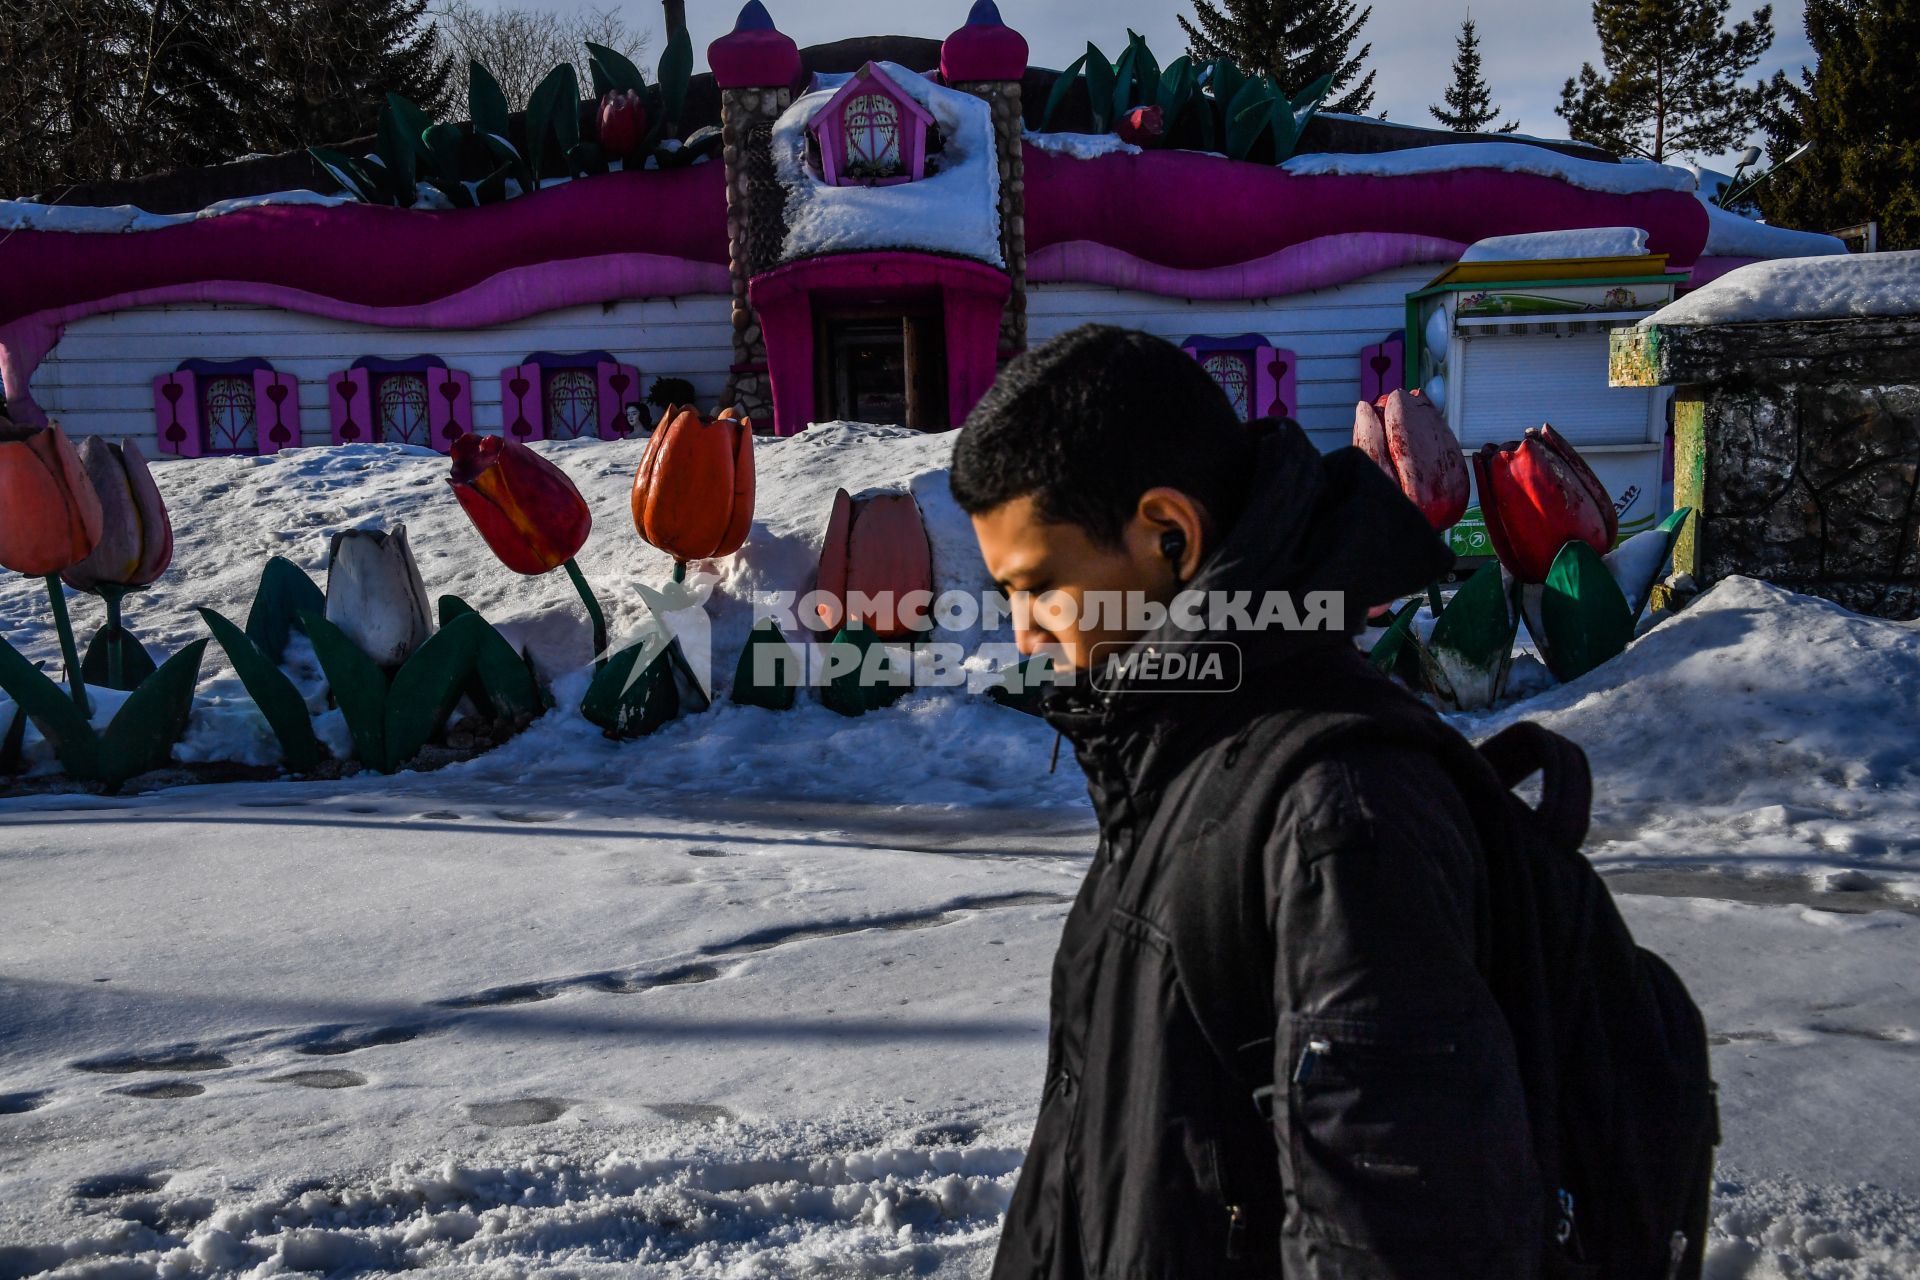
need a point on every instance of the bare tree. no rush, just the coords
(521, 44)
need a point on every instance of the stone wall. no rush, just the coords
(1798, 446)
(756, 228)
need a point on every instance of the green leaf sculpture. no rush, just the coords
(136, 664)
(768, 674)
(140, 736)
(641, 688)
(501, 676)
(390, 722)
(1099, 88)
(676, 73)
(870, 675)
(285, 592)
(1464, 662)
(285, 710)
(1589, 607)
(13, 743)
(615, 69)
(486, 102)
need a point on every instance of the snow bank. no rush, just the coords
(1507, 157)
(955, 209)
(1758, 729)
(1818, 288)
(21, 215)
(1583, 242)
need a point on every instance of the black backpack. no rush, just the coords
(1612, 1050)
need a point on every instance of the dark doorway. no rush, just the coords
(883, 366)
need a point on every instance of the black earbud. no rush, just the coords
(1173, 545)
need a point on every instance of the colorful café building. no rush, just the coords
(879, 229)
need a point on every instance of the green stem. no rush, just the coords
(116, 660)
(78, 685)
(1434, 601)
(679, 570)
(593, 611)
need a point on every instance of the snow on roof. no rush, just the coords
(21, 215)
(1581, 242)
(1081, 146)
(1508, 157)
(954, 209)
(1817, 288)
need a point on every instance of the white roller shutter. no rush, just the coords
(1502, 384)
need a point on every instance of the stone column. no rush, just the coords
(1797, 444)
(988, 59)
(756, 68)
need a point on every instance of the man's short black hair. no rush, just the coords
(1088, 421)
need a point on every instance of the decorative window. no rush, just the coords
(573, 404)
(229, 406)
(1258, 378)
(402, 407)
(568, 395)
(419, 401)
(211, 407)
(872, 132)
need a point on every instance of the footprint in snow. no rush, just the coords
(1882, 1034)
(18, 1104)
(957, 1134)
(332, 1044)
(322, 1079)
(525, 993)
(516, 815)
(179, 1060)
(111, 1186)
(163, 1089)
(691, 1112)
(444, 815)
(712, 853)
(518, 1112)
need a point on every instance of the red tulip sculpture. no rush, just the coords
(50, 520)
(528, 512)
(623, 123)
(1538, 495)
(135, 548)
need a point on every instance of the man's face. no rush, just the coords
(1048, 569)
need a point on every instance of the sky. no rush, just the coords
(1528, 47)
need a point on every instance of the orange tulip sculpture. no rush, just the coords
(693, 494)
(50, 520)
(529, 513)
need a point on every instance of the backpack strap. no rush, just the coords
(1566, 781)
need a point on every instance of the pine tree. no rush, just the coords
(1861, 107)
(1469, 106)
(1672, 84)
(331, 64)
(1293, 42)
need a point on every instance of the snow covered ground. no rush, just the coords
(764, 994)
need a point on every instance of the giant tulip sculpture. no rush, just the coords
(693, 495)
(529, 513)
(50, 519)
(135, 548)
(1412, 443)
(1538, 495)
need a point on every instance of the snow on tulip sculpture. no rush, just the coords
(51, 520)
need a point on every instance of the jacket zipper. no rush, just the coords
(1310, 1058)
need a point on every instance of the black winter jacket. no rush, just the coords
(1322, 932)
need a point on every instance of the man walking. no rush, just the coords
(1272, 1051)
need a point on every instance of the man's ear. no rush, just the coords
(1167, 520)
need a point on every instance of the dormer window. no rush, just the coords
(871, 133)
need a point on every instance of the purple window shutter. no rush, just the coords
(619, 387)
(449, 407)
(522, 414)
(1382, 368)
(276, 411)
(1274, 379)
(176, 415)
(351, 408)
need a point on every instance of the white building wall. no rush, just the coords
(99, 379)
(1325, 328)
